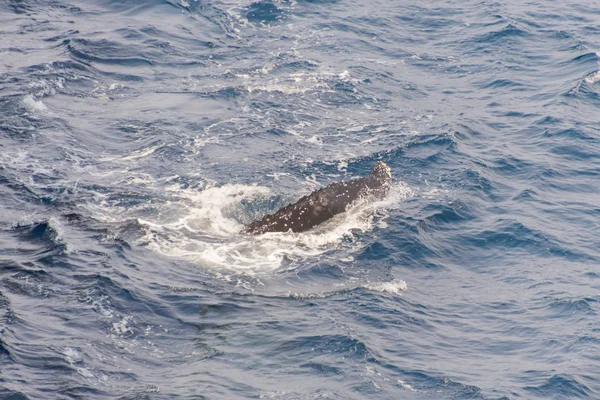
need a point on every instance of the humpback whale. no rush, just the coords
(322, 204)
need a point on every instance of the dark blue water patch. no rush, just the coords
(200, 303)
(569, 134)
(589, 59)
(150, 392)
(408, 247)
(323, 271)
(514, 236)
(587, 345)
(8, 394)
(322, 369)
(47, 79)
(344, 96)
(578, 67)
(318, 1)
(4, 352)
(414, 15)
(372, 321)
(105, 51)
(159, 38)
(228, 93)
(39, 232)
(8, 315)
(381, 83)
(527, 195)
(412, 249)
(165, 42)
(592, 274)
(549, 120)
(17, 123)
(8, 81)
(314, 347)
(569, 308)
(519, 115)
(41, 25)
(294, 66)
(384, 311)
(560, 35)
(475, 182)
(123, 299)
(86, 91)
(554, 17)
(62, 36)
(536, 23)
(18, 193)
(560, 386)
(445, 216)
(360, 28)
(20, 6)
(511, 234)
(506, 36)
(505, 84)
(462, 132)
(552, 176)
(31, 284)
(459, 390)
(513, 166)
(134, 129)
(438, 386)
(39, 356)
(576, 153)
(265, 12)
(82, 392)
(327, 172)
(132, 7)
(558, 181)
(47, 362)
(344, 86)
(374, 251)
(30, 6)
(431, 148)
(582, 92)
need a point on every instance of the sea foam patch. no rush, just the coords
(207, 230)
(32, 104)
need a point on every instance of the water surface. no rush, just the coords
(138, 137)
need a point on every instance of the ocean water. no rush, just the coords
(138, 137)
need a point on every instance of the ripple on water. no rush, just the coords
(559, 385)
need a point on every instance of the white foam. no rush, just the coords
(33, 105)
(393, 287)
(288, 89)
(141, 153)
(342, 166)
(72, 354)
(593, 77)
(293, 83)
(73, 358)
(100, 304)
(207, 229)
(121, 327)
(405, 386)
(344, 75)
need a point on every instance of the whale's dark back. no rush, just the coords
(321, 205)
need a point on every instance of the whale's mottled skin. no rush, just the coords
(324, 203)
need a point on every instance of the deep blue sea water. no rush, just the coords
(138, 137)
